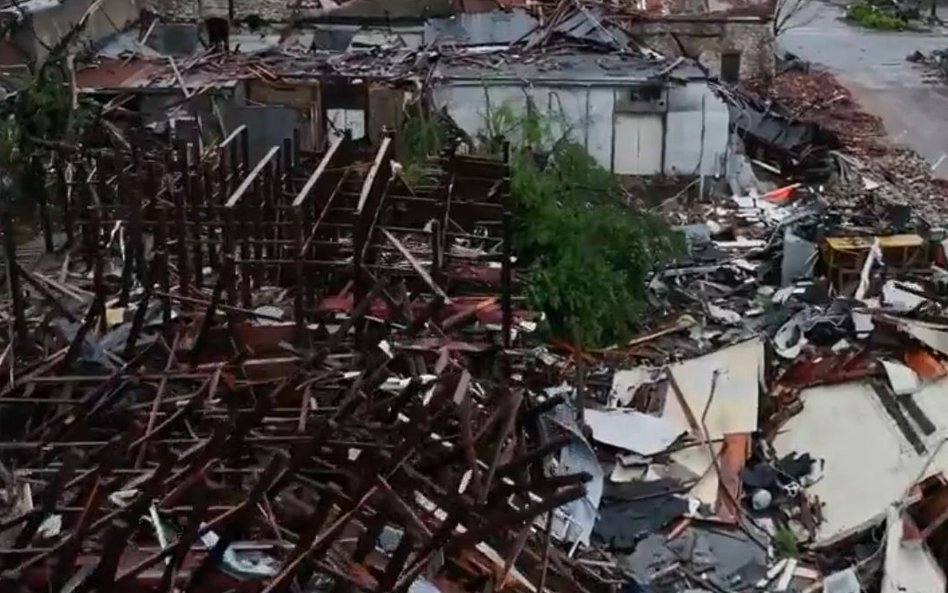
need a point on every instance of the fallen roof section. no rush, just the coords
(873, 462)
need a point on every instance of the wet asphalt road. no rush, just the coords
(873, 66)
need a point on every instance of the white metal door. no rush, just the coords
(637, 146)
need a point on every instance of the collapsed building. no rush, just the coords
(187, 267)
(350, 52)
(595, 85)
(635, 114)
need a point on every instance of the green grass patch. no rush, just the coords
(872, 17)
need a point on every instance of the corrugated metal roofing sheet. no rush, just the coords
(476, 6)
(482, 28)
(576, 67)
(138, 74)
(587, 25)
(116, 73)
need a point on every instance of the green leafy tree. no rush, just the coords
(42, 115)
(422, 137)
(587, 253)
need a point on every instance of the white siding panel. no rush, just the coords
(468, 104)
(464, 104)
(341, 120)
(586, 116)
(691, 108)
(599, 138)
(565, 108)
(567, 113)
(503, 97)
(540, 96)
(687, 97)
